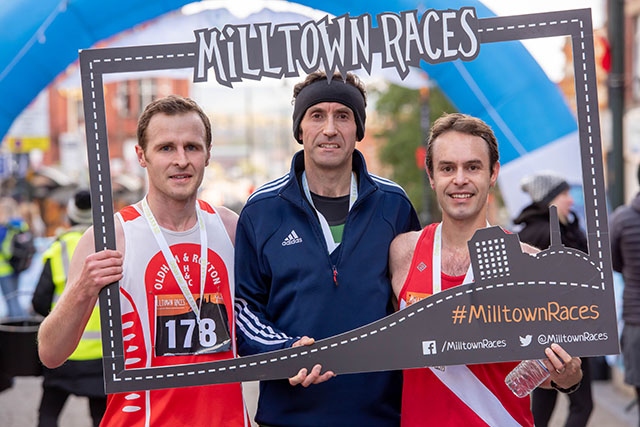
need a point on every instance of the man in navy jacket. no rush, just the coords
(311, 261)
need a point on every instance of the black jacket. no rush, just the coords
(624, 228)
(536, 230)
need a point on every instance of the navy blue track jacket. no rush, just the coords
(288, 285)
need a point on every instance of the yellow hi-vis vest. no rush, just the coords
(60, 251)
(5, 248)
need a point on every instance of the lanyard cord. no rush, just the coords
(326, 230)
(171, 261)
(436, 269)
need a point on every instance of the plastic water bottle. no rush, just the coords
(525, 377)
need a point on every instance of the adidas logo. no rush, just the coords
(291, 239)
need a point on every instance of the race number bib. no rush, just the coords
(179, 333)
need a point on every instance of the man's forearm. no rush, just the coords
(60, 332)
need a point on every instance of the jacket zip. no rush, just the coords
(334, 268)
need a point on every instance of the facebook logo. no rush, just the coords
(429, 347)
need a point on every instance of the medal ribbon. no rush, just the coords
(171, 261)
(326, 230)
(436, 267)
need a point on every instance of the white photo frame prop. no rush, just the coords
(517, 305)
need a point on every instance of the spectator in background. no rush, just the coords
(625, 255)
(82, 374)
(52, 190)
(547, 188)
(10, 224)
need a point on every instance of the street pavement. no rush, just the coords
(19, 405)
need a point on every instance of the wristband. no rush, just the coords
(569, 390)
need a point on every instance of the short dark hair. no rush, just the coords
(171, 105)
(462, 123)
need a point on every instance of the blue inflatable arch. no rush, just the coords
(504, 85)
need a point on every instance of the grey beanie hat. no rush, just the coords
(544, 186)
(79, 208)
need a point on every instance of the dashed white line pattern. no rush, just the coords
(112, 297)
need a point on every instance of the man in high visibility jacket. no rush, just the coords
(82, 374)
(10, 224)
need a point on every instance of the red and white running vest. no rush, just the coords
(151, 299)
(464, 395)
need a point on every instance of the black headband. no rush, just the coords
(335, 91)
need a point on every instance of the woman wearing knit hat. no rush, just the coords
(547, 188)
(79, 208)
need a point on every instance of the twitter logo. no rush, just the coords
(524, 342)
